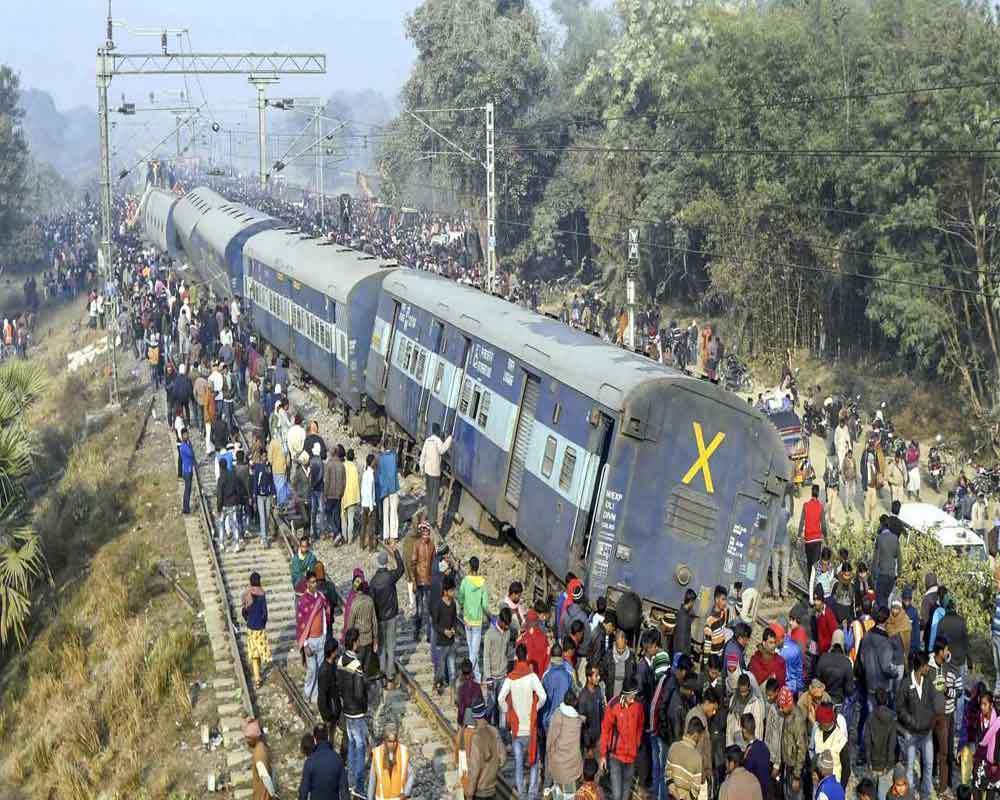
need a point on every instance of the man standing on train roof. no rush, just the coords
(430, 465)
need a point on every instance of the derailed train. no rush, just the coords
(642, 480)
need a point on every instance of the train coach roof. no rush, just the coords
(193, 206)
(573, 357)
(220, 224)
(327, 267)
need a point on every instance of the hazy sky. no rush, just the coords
(52, 43)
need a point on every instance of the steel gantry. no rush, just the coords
(263, 68)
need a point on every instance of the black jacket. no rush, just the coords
(219, 434)
(880, 739)
(682, 631)
(837, 673)
(352, 686)
(591, 705)
(183, 390)
(229, 491)
(329, 693)
(916, 714)
(954, 628)
(608, 671)
(875, 655)
(383, 590)
(322, 774)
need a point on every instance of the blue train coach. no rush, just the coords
(156, 213)
(315, 301)
(635, 476)
(189, 211)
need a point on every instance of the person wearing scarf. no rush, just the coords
(536, 643)
(254, 603)
(985, 769)
(357, 579)
(312, 620)
(522, 695)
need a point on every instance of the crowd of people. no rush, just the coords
(868, 685)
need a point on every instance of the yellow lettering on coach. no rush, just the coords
(704, 454)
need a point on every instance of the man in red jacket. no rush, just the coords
(812, 527)
(621, 735)
(766, 662)
(537, 643)
(824, 619)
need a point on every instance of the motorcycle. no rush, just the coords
(935, 468)
(736, 375)
(813, 421)
(854, 422)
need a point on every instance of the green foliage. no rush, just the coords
(21, 557)
(970, 582)
(14, 164)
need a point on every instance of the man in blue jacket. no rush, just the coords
(323, 772)
(556, 681)
(187, 467)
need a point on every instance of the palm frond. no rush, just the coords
(21, 383)
(17, 450)
(21, 561)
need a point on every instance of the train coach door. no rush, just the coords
(605, 437)
(392, 342)
(455, 388)
(522, 438)
(436, 371)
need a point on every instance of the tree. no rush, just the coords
(469, 52)
(13, 160)
(21, 558)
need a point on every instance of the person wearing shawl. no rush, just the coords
(254, 602)
(536, 643)
(312, 620)
(522, 695)
(985, 767)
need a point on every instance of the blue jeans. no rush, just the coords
(444, 665)
(316, 512)
(521, 745)
(331, 510)
(621, 775)
(280, 484)
(357, 748)
(658, 756)
(920, 746)
(310, 690)
(423, 613)
(198, 418)
(958, 729)
(995, 648)
(473, 638)
(230, 519)
(227, 407)
(187, 493)
(264, 511)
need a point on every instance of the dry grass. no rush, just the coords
(91, 707)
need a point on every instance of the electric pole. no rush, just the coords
(262, 82)
(631, 270)
(111, 63)
(491, 205)
(489, 165)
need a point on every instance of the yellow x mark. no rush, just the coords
(704, 453)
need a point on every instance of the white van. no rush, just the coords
(950, 532)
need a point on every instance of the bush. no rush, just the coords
(970, 582)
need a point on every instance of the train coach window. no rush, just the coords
(568, 468)
(556, 413)
(477, 396)
(484, 410)
(438, 376)
(421, 366)
(549, 456)
(463, 402)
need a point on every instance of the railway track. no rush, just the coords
(426, 720)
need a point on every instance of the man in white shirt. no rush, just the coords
(430, 465)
